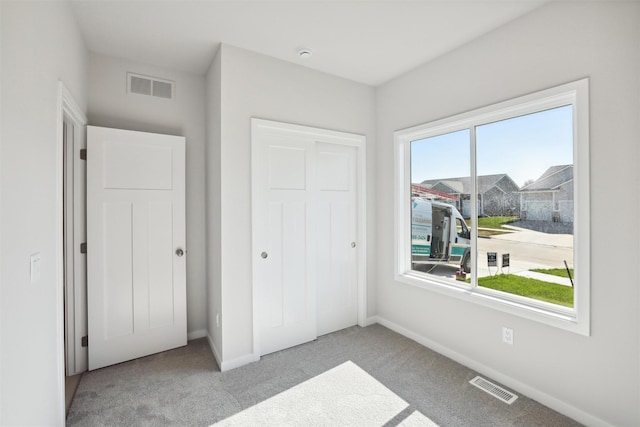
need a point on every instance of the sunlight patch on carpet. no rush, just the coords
(417, 419)
(344, 395)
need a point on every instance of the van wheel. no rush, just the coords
(466, 263)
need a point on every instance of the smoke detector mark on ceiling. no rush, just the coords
(305, 53)
(150, 86)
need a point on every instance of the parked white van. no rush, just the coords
(439, 234)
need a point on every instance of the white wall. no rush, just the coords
(594, 379)
(258, 86)
(111, 106)
(40, 44)
(213, 199)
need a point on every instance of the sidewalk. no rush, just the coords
(545, 277)
(536, 237)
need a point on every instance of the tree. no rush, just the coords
(527, 182)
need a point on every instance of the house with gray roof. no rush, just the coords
(550, 197)
(497, 194)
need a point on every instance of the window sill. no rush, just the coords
(544, 313)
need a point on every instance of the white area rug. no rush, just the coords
(343, 396)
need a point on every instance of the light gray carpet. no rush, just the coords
(184, 387)
(342, 396)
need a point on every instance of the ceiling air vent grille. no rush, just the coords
(494, 390)
(150, 86)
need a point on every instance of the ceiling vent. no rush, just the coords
(150, 86)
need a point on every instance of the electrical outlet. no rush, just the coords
(218, 320)
(507, 335)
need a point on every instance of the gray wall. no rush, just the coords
(111, 106)
(254, 85)
(40, 43)
(596, 378)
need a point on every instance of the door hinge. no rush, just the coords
(83, 248)
(85, 341)
(83, 154)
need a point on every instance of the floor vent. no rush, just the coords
(151, 86)
(494, 390)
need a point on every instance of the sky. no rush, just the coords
(522, 147)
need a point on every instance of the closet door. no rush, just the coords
(284, 258)
(336, 218)
(304, 234)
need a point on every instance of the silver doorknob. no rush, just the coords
(264, 255)
(353, 244)
(179, 252)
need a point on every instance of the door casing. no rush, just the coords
(68, 110)
(75, 234)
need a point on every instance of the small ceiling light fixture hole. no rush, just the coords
(305, 53)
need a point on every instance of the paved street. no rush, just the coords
(527, 249)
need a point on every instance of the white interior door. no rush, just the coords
(136, 244)
(284, 237)
(336, 199)
(304, 223)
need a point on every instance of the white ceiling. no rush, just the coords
(366, 41)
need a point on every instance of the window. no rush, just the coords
(461, 229)
(493, 206)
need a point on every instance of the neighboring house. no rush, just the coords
(550, 197)
(497, 194)
(425, 191)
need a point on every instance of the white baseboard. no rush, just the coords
(214, 350)
(230, 364)
(194, 335)
(370, 321)
(531, 392)
(239, 361)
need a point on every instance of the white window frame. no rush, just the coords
(576, 319)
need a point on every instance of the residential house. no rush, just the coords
(497, 194)
(550, 197)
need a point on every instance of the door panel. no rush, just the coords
(337, 259)
(161, 301)
(287, 167)
(135, 224)
(286, 281)
(137, 166)
(118, 270)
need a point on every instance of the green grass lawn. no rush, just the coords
(562, 272)
(531, 288)
(494, 222)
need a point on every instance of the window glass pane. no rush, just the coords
(440, 184)
(525, 205)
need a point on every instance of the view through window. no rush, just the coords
(519, 205)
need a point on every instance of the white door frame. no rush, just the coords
(261, 126)
(68, 107)
(75, 221)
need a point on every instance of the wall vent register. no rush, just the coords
(150, 86)
(494, 390)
